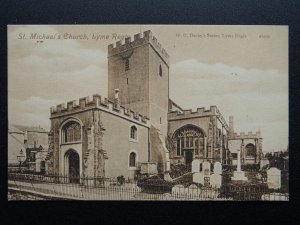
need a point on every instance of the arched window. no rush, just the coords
(71, 132)
(189, 138)
(250, 150)
(160, 70)
(132, 159)
(178, 152)
(133, 132)
(126, 64)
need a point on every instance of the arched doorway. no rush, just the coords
(188, 157)
(72, 166)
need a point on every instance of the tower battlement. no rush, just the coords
(244, 135)
(138, 41)
(96, 101)
(200, 112)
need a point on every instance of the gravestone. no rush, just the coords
(166, 196)
(216, 180)
(274, 178)
(218, 168)
(193, 191)
(148, 168)
(264, 162)
(196, 166)
(198, 178)
(178, 190)
(206, 168)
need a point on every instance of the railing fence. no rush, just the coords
(101, 188)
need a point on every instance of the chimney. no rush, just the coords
(231, 127)
(117, 99)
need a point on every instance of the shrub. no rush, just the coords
(229, 168)
(120, 180)
(251, 167)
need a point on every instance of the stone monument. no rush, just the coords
(239, 174)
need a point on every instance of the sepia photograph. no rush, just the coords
(148, 112)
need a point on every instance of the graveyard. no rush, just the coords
(206, 180)
(195, 181)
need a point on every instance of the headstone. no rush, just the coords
(167, 196)
(275, 197)
(216, 180)
(274, 178)
(178, 190)
(198, 178)
(206, 168)
(193, 191)
(193, 186)
(148, 168)
(217, 168)
(264, 162)
(196, 166)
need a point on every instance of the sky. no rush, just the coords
(243, 70)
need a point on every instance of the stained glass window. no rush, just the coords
(191, 138)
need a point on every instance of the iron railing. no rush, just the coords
(102, 188)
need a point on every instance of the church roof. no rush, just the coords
(171, 102)
(30, 128)
(13, 129)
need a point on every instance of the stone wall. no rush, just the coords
(118, 144)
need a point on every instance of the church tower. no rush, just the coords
(140, 70)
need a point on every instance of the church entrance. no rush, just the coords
(190, 142)
(188, 157)
(73, 160)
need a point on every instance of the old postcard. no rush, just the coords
(148, 112)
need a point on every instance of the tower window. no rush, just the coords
(126, 64)
(160, 71)
(127, 80)
(133, 132)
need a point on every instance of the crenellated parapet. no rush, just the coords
(139, 40)
(96, 101)
(200, 112)
(243, 135)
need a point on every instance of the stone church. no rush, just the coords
(138, 124)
